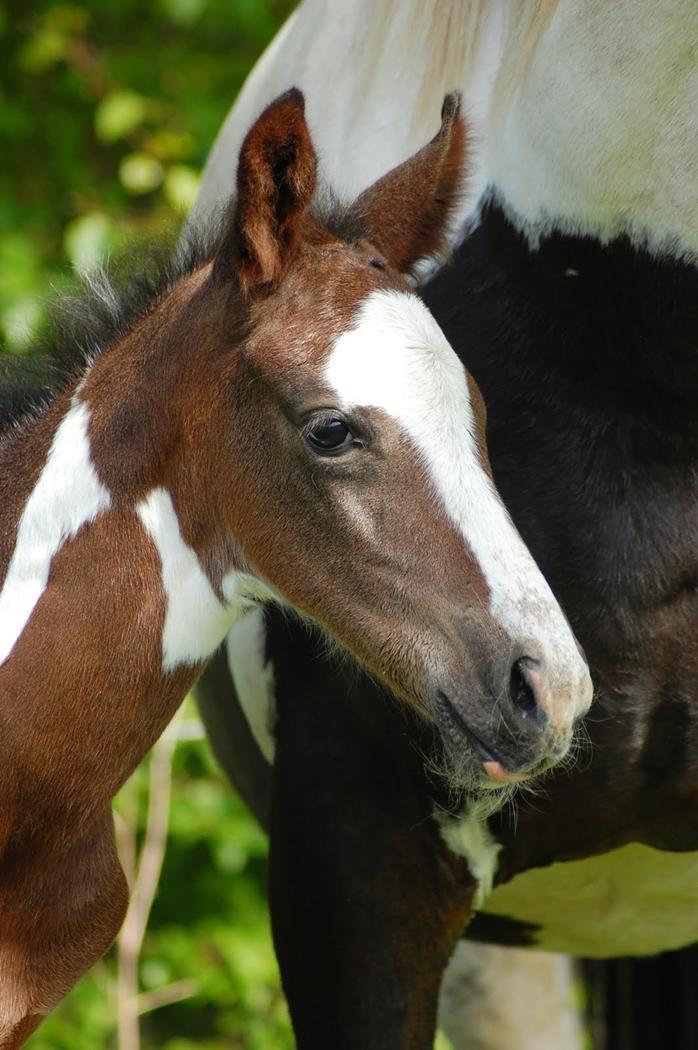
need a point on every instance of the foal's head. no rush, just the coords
(326, 449)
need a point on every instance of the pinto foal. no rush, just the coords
(266, 427)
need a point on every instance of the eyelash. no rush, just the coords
(320, 420)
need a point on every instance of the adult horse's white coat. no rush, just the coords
(598, 133)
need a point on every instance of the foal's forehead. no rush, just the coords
(395, 357)
(364, 336)
(319, 300)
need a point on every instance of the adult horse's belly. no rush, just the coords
(635, 900)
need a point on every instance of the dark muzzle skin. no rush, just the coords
(503, 717)
(510, 747)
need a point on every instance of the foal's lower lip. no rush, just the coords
(496, 771)
(490, 763)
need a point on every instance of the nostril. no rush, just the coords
(520, 689)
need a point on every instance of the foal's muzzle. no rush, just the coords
(507, 725)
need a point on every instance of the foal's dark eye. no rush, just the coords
(329, 436)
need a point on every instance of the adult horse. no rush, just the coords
(573, 299)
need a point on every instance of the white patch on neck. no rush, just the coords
(253, 678)
(397, 358)
(67, 496)
(601, 134)
(196, 621)
(469, 836)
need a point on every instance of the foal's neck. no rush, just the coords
(116, 580)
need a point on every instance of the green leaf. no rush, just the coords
(181, 187)
(169, 145)
(19, 266)
(184, 12)
(20, 322)
(87, 240)
(140, 173)
(43, 50)
(119, 114)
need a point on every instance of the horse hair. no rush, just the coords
(106, 306)
(109, 302)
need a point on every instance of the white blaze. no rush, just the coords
(67, 496)
(397, 358)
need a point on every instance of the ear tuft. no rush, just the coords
(276, 178)
(407, 213)
(450, 110)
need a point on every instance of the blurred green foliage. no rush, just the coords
(107, 111)
(209, 928)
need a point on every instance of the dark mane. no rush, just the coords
(108, 304)
(337, 216)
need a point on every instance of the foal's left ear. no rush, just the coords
(406, 213)
(276, 178)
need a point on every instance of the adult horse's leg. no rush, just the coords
(644, 1003)
(57, 918)
(367, 903)
(498, 998)
(230, 736)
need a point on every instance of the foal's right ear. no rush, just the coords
(276, 178)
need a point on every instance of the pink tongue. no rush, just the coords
(496, 771)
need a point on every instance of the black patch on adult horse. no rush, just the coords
(672, 738)
(500, 929)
